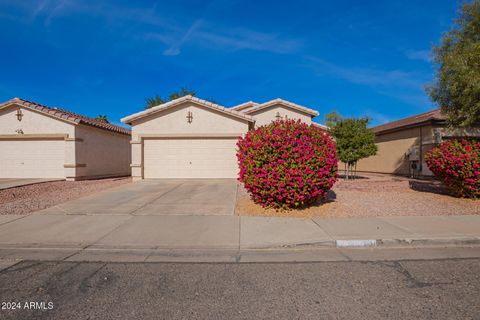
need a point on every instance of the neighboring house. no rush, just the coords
(193, 138)
(402, 144)
(37, 141)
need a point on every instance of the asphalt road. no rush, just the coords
(432, 289)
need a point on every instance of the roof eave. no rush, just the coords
(408, 126)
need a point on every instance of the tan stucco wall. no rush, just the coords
(103, 152)
(393, 148)
(174, 122)
(268, 115)
(390, 157)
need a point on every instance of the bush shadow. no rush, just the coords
(430, 186)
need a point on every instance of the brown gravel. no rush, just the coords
(371, 196)
(26, 199)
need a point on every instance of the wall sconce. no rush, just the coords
(19, 115)
(189, 117)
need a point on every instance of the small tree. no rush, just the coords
(354, 141)
(103, 118)
(457, 85)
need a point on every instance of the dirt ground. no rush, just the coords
(373, 195)
(26, 199)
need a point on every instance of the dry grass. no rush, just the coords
(373, 195)
(26, 199)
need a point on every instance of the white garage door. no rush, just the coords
(32, 158)
(190, 158)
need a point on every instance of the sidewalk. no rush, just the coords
(62, 235)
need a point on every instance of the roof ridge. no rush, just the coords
(285, 102)
(181, 100)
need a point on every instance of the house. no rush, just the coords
(402, 144)
(194, 138)
(37, 141)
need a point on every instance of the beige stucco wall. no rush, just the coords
(35, 124)
(174, 122)
(104, 153)
(32, 123)
(268, 115)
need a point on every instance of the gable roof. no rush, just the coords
(289, 104)
(244, 106)
(419, 119)
(181, 100)
(65, 115)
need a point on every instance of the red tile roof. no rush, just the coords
(423, 118)
(67, 115)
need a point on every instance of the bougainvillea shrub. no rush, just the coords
(287, 164)
(457, 164)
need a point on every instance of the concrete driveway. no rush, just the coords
(158, 197)
(6, 183)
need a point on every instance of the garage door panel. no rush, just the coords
(190, 158)
(32, 158)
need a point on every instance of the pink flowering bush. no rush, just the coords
(457, 164)
(287, 164)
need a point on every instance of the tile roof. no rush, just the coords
(244, 106)
(292, 105)
(431, 116)
(183, 99)
(66, 115)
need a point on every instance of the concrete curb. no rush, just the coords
(289, 253)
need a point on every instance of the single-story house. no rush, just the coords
(402, 144)
(37, 141)
(194, 138)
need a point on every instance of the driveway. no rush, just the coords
(159, 197)
(6, 183)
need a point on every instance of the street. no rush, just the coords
(411, 289)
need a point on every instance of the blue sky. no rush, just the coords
(105, 57)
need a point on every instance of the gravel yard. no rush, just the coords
(26, 199)
(374, 195)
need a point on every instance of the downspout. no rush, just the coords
(420, 150)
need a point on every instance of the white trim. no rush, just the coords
(321, 126)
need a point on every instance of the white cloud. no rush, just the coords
(406, 86)
(423, 55)
(202, 34)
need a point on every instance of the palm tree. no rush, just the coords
(157, 100)
(153, 102)
(103, 118)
